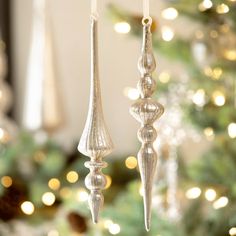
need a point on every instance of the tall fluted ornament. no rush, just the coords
(42, 106)
(95, 141)
(146, 110)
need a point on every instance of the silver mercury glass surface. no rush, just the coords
(146, 110)
(95, 141)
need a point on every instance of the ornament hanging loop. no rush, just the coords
(147, 20)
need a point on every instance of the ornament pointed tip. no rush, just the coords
(95, 220)
(94, 217)
(147, 200)
(95, 204)
(147, 228)
(147, 223)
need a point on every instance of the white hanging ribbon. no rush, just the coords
(146, 9)
(94, 8)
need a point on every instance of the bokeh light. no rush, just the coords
(193, 193)
(221, 202)
(131, 93)
(218, 98)
(209, 133)
(199, 98)
(222, 8)
(27, 208)
(210, 195)
(167, 33)
(72, 177)
(232, 130)
(6, 181)
(109, 181)
(164, 77)
(114, 229)
(170, 13)
(82, 195)
(131, 162)
(54, 184)
(232, 231)
(48, 198)
(205, 4)
(122, 27)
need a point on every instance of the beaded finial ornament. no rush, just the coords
(147, 110)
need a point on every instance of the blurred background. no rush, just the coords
(44, 92)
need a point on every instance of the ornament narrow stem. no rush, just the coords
(146, 111)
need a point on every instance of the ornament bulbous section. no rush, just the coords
(146, 63)
(95, 180)
(147, 134)
(146, 86)
(146, 110)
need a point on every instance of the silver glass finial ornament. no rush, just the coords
(95, 141)
(147, 110)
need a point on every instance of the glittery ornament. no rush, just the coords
(95, 141)
(147, 110)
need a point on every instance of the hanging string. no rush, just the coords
(146, 12)
(146, 9)
(94, 9)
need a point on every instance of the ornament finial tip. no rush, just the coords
(147, 208)
(147, 226)
(96, 200)
(94, 215)
(95, 220)
(147, 221)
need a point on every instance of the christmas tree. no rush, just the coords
(208, 57)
